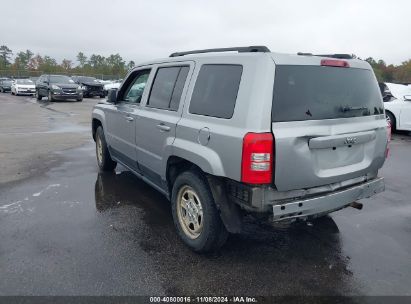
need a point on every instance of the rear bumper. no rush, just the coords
(304, 202)
(328, 203)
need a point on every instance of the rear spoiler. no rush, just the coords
(338, 56)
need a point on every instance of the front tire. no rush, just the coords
(195, 214)
(50, 96)
(104, 160)
(38, 96)
(391, 119)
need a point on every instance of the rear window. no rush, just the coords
(168, 87)
(319, 92)
(215, 91)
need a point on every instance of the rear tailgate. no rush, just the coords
(328, 123)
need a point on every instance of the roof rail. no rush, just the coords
(243, 49)
(338, 56)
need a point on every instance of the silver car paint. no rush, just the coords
(296, 165)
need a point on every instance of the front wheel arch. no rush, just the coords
(392, 118)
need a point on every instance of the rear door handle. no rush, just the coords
(163, 127)
(129, 118)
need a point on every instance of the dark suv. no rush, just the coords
(58, 87)
(5, 85)
(91, 86)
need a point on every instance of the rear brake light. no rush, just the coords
(335, 63)
(257, 159)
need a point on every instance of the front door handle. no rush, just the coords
(163, 127)
(129, 118)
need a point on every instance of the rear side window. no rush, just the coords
(167, 88)
(319, 92)
(216, 89)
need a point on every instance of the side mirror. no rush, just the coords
(112, 96)
(407, 97)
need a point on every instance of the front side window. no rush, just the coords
(216, 89)
(167, 87)
(135, 90)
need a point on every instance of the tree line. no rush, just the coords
(115, 65)
(93, 65)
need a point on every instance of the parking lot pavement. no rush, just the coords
(66, 229)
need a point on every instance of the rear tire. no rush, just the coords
(195, 214)
(391, 118)
(104, 160)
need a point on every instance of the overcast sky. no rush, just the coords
(142, 30)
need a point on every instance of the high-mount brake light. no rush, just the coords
(335, 63)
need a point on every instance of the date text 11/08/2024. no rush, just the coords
(234, 299)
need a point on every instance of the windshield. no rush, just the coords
(87, 79)
(317, 92)
(7, 82)
(397, 90)
(61, 79)
(24, 81)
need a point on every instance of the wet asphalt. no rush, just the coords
(71, 230)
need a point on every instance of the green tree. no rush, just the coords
(35, 62)
(66, 64)
(82, 59)
(48, 65)
(97, 61)
(5, 56)
(116, 64)
(22, 59)
(131, 64)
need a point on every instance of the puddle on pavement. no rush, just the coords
(123, 211)
(287, 258)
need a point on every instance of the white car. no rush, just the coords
(23, 87)
(397, 103)
(112, 85)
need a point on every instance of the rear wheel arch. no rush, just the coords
(229, 212)
(175, 166)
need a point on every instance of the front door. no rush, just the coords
(405, 115)
(121, 119)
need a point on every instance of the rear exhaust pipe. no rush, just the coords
(356, 205)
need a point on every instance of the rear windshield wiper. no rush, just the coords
(349, 109)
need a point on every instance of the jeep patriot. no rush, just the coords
(227, 132)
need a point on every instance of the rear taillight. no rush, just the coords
(258, 158)
(335, 63)
(389, 130)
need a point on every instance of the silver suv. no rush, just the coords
(227, 132)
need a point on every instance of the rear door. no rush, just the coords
(156, 124)
(328, 123)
